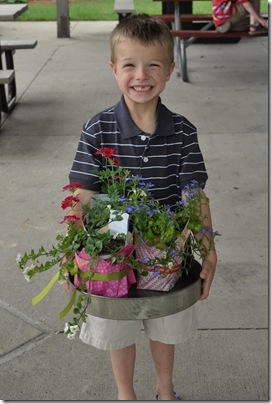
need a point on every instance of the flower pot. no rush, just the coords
(159, 277)
(111, 280)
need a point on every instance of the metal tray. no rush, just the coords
(146, 304)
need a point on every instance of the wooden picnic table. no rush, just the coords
(9, 12)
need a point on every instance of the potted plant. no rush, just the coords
(93, 257)
(165, 238)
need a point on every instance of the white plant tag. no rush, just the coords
(117, 226)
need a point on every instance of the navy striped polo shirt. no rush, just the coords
(169, 158)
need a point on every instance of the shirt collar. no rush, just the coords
(128, 129)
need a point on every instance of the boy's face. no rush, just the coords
(141, 70)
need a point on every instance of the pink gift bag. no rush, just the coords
(108, 280)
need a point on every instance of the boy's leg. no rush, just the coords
(123, 363)
(238, 22)
(242, 20)
(164, 333)
(163, 357)
(119, 338)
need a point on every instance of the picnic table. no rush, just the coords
(9, 12)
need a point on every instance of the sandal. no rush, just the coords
(178, 398)
(257, 29)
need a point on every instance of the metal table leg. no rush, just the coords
(7, 97)
(180, 45)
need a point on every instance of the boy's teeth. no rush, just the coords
(142, 88)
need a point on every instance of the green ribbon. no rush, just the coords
(47, 289)
(106, 277)
(69, 305)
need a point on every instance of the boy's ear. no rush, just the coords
(113, 68)
(170, 71)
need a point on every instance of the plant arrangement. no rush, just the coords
(127, 202)
(165, 238)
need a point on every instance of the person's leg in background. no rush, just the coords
(246, 18)
(237, 22)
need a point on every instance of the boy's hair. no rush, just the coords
(146, 30)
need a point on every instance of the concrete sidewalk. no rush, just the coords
(62, 83)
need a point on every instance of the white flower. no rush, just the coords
(71, 336)
(170, 265)
(25, 272)
(27, 278)
(71, 330)
(109, 207)
(18, 258)
(74, 328)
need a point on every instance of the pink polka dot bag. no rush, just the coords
(108, 280)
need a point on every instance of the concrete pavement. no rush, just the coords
(62, 83)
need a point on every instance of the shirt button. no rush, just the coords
(145, 159)
(143, 137)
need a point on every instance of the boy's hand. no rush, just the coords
(207, 274)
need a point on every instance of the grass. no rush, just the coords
(102, 10)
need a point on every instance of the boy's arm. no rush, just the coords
(209, 261)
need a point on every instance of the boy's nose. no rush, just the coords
(141, 73)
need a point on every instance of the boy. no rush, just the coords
(161, 146)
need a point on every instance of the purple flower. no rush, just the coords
(144, 260)
(131, 208)
(122, 199)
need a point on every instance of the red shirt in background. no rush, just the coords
(224, 9)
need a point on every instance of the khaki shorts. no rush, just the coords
(116, 334)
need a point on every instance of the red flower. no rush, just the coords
(69, 202)
(72, 186)
(106, 152)
(115, 161)
(69, 218)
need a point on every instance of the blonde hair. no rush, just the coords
(146, 30)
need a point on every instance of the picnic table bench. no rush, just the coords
(185, 37)
(9, 12)
(8, 87)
